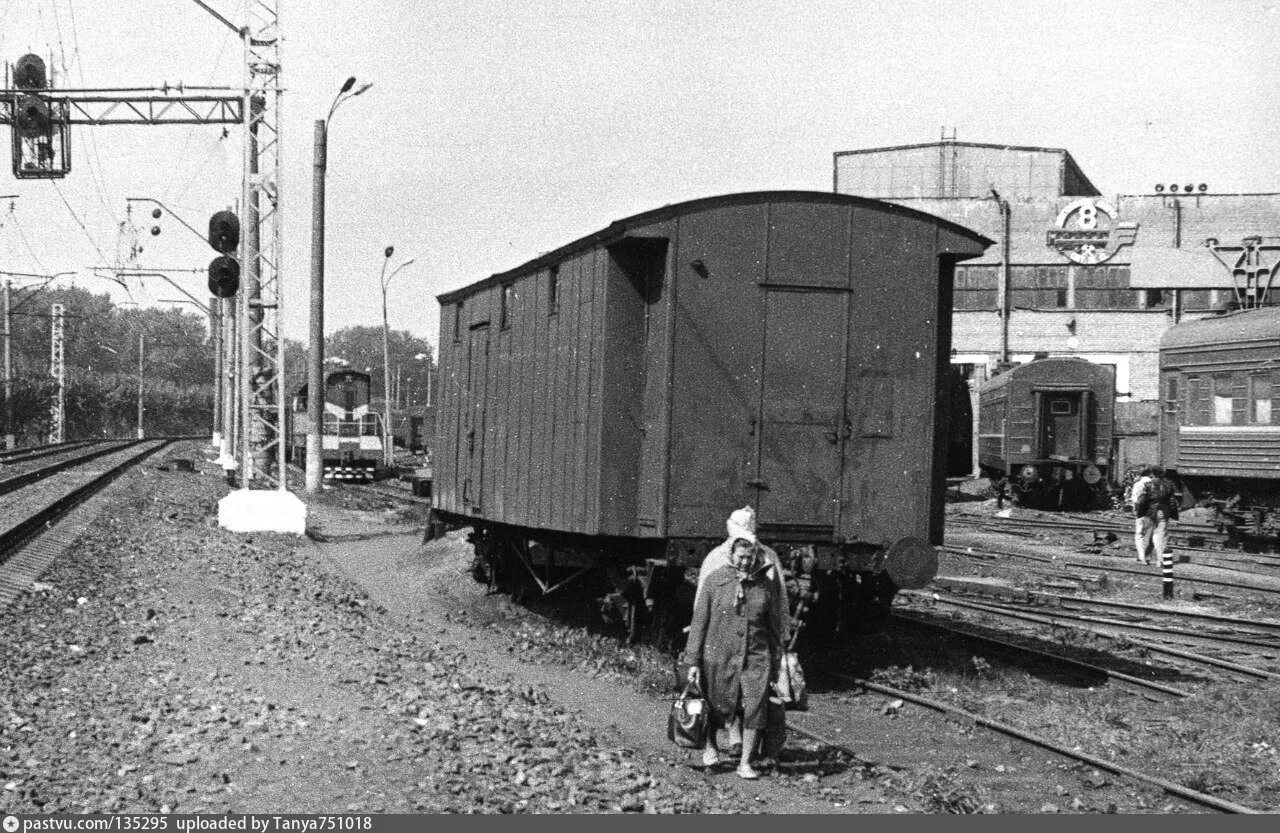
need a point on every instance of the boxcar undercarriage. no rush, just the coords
(647, 585)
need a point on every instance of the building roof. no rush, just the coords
(1232, 328)
(1071, 168)
(619, 228)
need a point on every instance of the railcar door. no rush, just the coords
(473, 435)
(802, 416)
(1061, 435)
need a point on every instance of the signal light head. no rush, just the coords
(29, 73)
(155, 231)
(224, 276)
(155, 214)
(224, 232)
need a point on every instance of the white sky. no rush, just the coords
(495, 131)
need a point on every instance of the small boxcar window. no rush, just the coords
(1060, 406)
(553, 290)
(1260, 399)
(457, 322)
(504, 311)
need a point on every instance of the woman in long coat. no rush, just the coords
(734, 647)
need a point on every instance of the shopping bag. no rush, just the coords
(687, 720)
(791, 687)
(774, 735)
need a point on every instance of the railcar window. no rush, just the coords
(457, 322)
(504, 310)
(553, 290)
(1275, 397)
(1197, 411)
(1260, 399)
(1229, 393)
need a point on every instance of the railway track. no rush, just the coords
(79, 454)
(1137, 636)
(1169, 787)
(1149, 689)
(30, 537)
(18, 455)
(1043, 563)
(1180, 535)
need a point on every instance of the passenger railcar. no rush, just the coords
(612, 401)
(351, 436)
(1220, 414)
(1045, 432)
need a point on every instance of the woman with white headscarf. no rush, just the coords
(735, 646)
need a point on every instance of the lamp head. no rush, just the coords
(390, 250)
(346, 87)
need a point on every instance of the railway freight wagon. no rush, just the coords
(612, 401)
(351, 434)
(1220, 411)
(1045, 430)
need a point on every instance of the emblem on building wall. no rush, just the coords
(1087, 232)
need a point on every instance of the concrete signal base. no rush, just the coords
(262, 510)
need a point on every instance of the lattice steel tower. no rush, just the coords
(261, 299)
(58, 371)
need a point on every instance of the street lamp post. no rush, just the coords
(385, 281)
(315, 357)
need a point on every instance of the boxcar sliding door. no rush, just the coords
(474, 423)
(803, 424)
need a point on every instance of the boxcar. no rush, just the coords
(1045, 430)
(1220, 415)
(617, 398)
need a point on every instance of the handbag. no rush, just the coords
(687, 720)
(774, 736)
(791, 687)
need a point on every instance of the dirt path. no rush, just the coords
(429, 586)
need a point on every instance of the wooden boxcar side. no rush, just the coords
(1221, 397)
(780, 349)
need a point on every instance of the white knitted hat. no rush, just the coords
(742, 524)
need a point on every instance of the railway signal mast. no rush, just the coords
(41, 116)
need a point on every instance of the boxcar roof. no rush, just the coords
(619, 228)
(1232, 328)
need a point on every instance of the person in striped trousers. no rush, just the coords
(1155, 507)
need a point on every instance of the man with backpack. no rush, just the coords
(1154, 507)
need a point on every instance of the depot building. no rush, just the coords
(1074, 272)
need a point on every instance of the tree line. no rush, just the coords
(101, 359)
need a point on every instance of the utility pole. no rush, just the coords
(8, 355)
(8, 368)
(315, 349)
(141, 435)
(384, 281)
(58, 370)
(215, 338)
